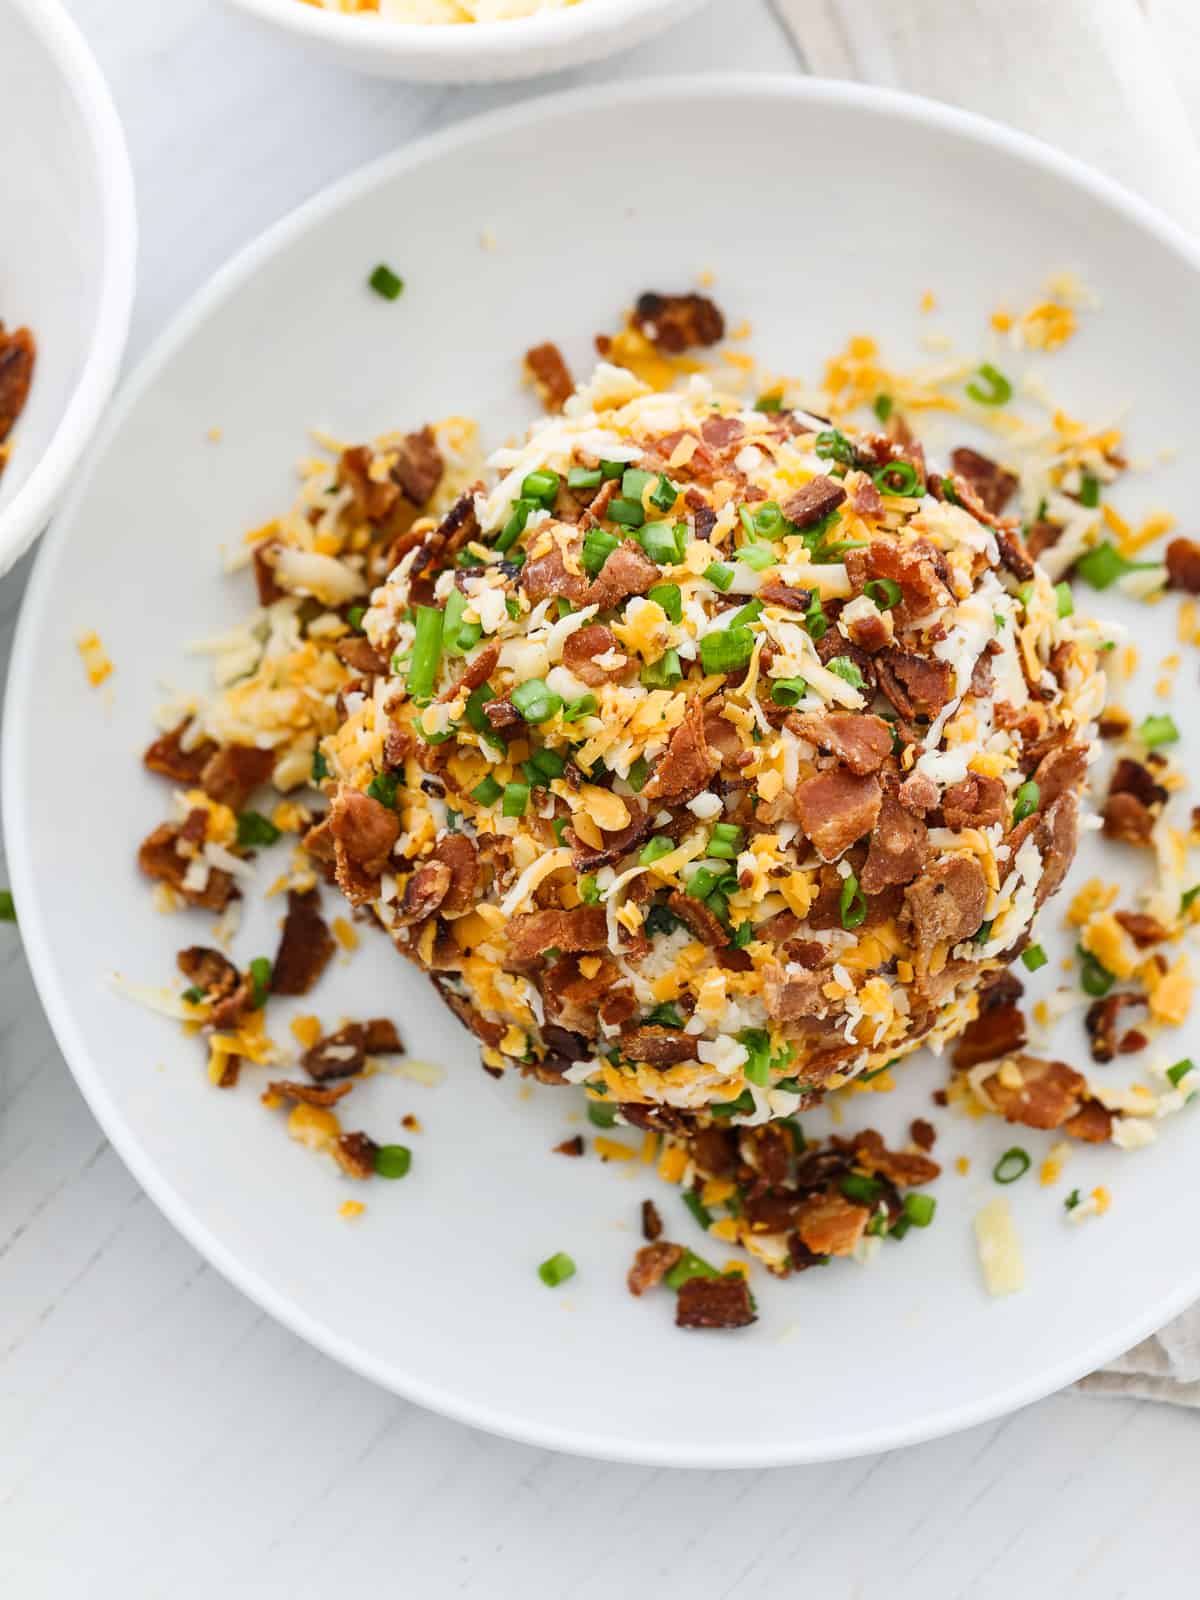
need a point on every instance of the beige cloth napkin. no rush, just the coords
(1115, 82)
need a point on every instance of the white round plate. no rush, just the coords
(434, 1291)
(473, 52)
(68, 252)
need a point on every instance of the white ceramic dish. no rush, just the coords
(68, 248)
(433, 1292)
(478, 52)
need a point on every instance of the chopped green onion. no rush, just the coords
(426, 653)
(770, 403)
(433, 738)
(757, 1043)
(852, 903)
(597, 547)
(633, 483)
(719, 574)
(476, 717)
(1104, 564)
(815, 620)
(848, 670)
(519, 514)
(654, 849)
(884, 592)
(919, 1208)
(1013, 1164)
(995, 390)
(486, 792)
(728, 650)
(540, 485)
(516, 798)
(319, 770)
(984, 932)
(1072, 1200)
(260, 981)
(697, 1207)
(733, 1108)
(601, 1115)
(742, 935)
(664, 494)
(382, 787)
(899, 478)
(1026, 801)
(1187, 899)
(1066, 600)
(589, 889)
(665, 1016)
(585, 706)
(1094, 979)
(862, 1190)
(8, 907)
(834, 446)
(1034, 959)
(758, 557)
(1179, 1071)
(255, 829)
(670, 598)
(1089, 491)
(535, 700)
(386, 283)
(559, 829)
(639, 771)
(354, 617)
(1157, 730)
(882, 406)
(629, 513)
(788, 691)
(548, 764)
(584, 477)
(726, 841)
(392, 1160)
(768, 519)
(702, 883)
(458, 636)
(663, 673)
(662, 542)
(556, 1269)
(613, 469)
(194, 996)
(687, 1267)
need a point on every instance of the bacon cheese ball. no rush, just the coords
(710, 757)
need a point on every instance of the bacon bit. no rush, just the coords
(308, 1094)
(305, 946)
(777, 593)
(342, 1054)
(697, 917)
(1092, 1123)
(829, 1225)
(997, 1031)
(18, 355)
(1102, 1021)
(687, 764)
(976, 802)
(364, 833)
(789, 996)
(168, 757)
(373, 497)
(628, 571)
(582, 928)
(1049, 1095)
(208, 970)
(583, 646)
(355, 1154)
(458, 854)
(550, 375)
(1143, 930)
(836, 808)
(906, 1168)
(861, 741)
(915, 685)
(652, 1224)
(159, 858)
(992, 483)
(1183, 565)
(96, 662)
(425, 891)
(547, 577)
(923, 1134)
(658, 1047)
(570, 1147)
(675, 322)
(233, 772)
(814, 502)
(714, 1303)
(651, 1265)
(898, 850)
(947, 901)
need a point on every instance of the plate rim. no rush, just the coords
(14, 790)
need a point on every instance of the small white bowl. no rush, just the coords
(68, 248)
(471, 52)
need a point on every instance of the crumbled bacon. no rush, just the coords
(535, 932)
(425, 891)
(306, 945)
(1092, 1123)
(18, 355)
(860, 741)
(907, 1168)
(232, 773)
(899, 848)
(814, 501)
(836, 808)
(364, 832)
(309, 1094)
(476, 673)
(580, 652)
(830, 1225)
(1183, 565)
(1058, 771)
(550, 375)
(360, 655)
(697, 917)
(993, 484)
(342, 1054)
(947, 901)
(570, 1147)
(917, 566)
(923, 1133)
(419, 466)
(915, 685)
(373, 498)
(355, 1154)
(676, 322)
(714, 1303)
(918, 793)
(687, 764)
(628, 571)
(777, 593)
(789, 995)
(651, 1265)
(658, 1047)
(1128, 820)
(589, 858)
(168, 757)
(458, 853)
(976, 802)
(547, 577)
(159, 858)
(998, 1030)
(652, 1223)
(208, 970)
(1142, 929)
(1050, 1093)
(1103, 1020)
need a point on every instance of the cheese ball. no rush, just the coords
(710, 757)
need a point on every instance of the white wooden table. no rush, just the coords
(160, 1436)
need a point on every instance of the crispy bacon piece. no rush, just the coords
(419, 466)
(675, 322)
(922, 1133)
(790, 995)
(721, 432)
(872, 632)
(458, 854)
(918, 793)
(374, 498)
(546, 577)
(813, 502)
(1103, 1019)
(570, 1147)
(687, 764)
(916, 685)
(652, 1223)
(696, 916)
(993, 484)
(1051, 1093)
(777, 593)
(581, 928)
(1128, 820)
(1142, 929)
(865, 498)
(998, 1030)
(364, 830)
(1013, 553)
(583, 646)
(658, 1047)
(1183, 564)
(233, 772)
(159, 858)
(976, 802)
(264, 573)
(341, 1054)
(18, 355)
(714, 1303)
(1056, 833)
(168, 757)
(615, 845)
(1058, 771)
(651, 1265)
(899, 848)
(482, 1027)
(306, 946)
(476, 673)
(208, 970)
(628, 571)
(360, 655)
(906, 1168)
(947, 901)
(355, 1154)
(860, 741)
(550, 375)
(836, 808)
(830, 1225)
(1092, 1123)
(309, 1094)
(917, 566)
(425, 891)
